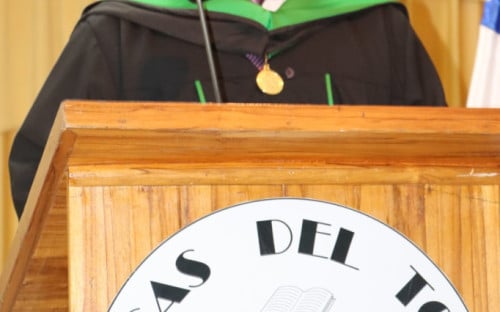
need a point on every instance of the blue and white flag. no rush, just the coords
(485, 84)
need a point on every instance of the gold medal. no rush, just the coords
(269, 81)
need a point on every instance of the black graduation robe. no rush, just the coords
(128, 51)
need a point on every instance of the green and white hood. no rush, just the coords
(291, 13)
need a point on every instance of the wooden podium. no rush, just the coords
(116, 179)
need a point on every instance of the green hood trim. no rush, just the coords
(291, 13)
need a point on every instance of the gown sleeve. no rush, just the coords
(414, 75)
(81, 72)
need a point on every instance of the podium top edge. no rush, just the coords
(261, 117)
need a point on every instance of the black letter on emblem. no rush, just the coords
(411, 289)
(266, 237)
(307, 237)
(167, 292)
(342, 246)
(193, 268)
(433, 306)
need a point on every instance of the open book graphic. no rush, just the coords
(294, 299)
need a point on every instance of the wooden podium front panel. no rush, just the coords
(451, 223)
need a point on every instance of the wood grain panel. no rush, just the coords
(45, 271)
(447, 222)
(244, 173)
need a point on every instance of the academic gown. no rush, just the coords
(131, 51)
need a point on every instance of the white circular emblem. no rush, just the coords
(287, 255)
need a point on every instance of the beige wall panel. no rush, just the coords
(8, 218)
(32, 35)
(449, 30)
(4, 116)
